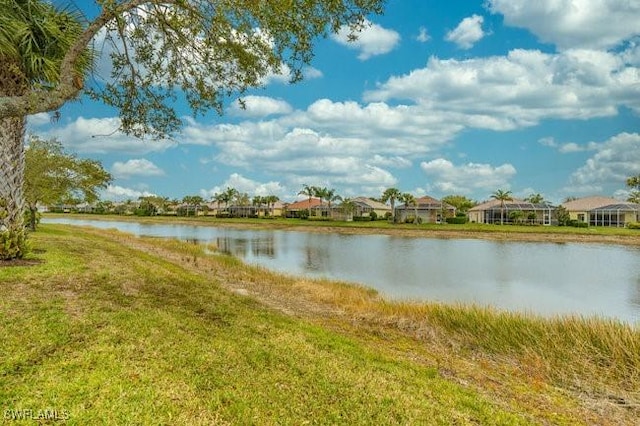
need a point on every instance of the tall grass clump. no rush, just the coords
(587, 353)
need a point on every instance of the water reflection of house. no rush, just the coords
(602, 211)
(525, 212)
(428, 210)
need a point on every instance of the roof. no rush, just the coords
(304, 204)
(588, 203)
(514, 204)
(371, 203)
(428, 202)
(627, 207)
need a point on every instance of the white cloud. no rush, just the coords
(594, 24)
(101, 135)
(614, 161)
(372, 40)
(135, 167)
(259, 106)
(467, 178)
(243, 184)
(120, 193)
(568, 147)
(520, 89)
(423, 35)
(40, 119)
(395, 161)
(467, 33)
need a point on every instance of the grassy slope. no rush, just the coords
(116, 335)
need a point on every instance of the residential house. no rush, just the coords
(428, 209)
(494, 211)
(602, 211)
(294, 209)
(365, 206)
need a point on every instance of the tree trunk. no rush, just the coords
(12, 232)
(12, 130)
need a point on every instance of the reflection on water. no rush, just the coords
(544, 278)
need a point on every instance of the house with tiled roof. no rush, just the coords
(602, 211)
(294, 209)
(427, 209)
(493, 211)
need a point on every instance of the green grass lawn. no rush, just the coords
(104, 333)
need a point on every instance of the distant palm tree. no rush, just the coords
(218, 198)
(258, 201)
(502, 196)
(535, 199)
(309, 191)
(347, 206)
(410, 200)
(391, 195)
(634, 182)
(271, 200)
(330, 195)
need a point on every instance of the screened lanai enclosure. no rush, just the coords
(616, 215)
(513, 212)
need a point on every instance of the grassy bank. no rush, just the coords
(108, 328)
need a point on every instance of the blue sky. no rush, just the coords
(435, 98)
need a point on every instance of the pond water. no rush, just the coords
(542, 278)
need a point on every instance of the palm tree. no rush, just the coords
(258, 201)
(228, 195)
(34, 38)
(502, 196)
(634, 182)
(330, 195)
(535, 199)
(391, 195)
(348, 207)
(410, 200)
(634, 197)
(271, 200)
(309, 191)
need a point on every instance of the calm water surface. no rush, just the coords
(543, 278)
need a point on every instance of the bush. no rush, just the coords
(577, 224)
(458, 220)
(373, 216)
(412, 219)
(633, 225)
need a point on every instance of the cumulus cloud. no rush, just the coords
(100, 136)
(467, 33)
(120, 193)
(135, 167)
(373, 40)
(520, 89)
(250, 186)
(259, 106)
(615, 160)
(592, 24)
(449, 178)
